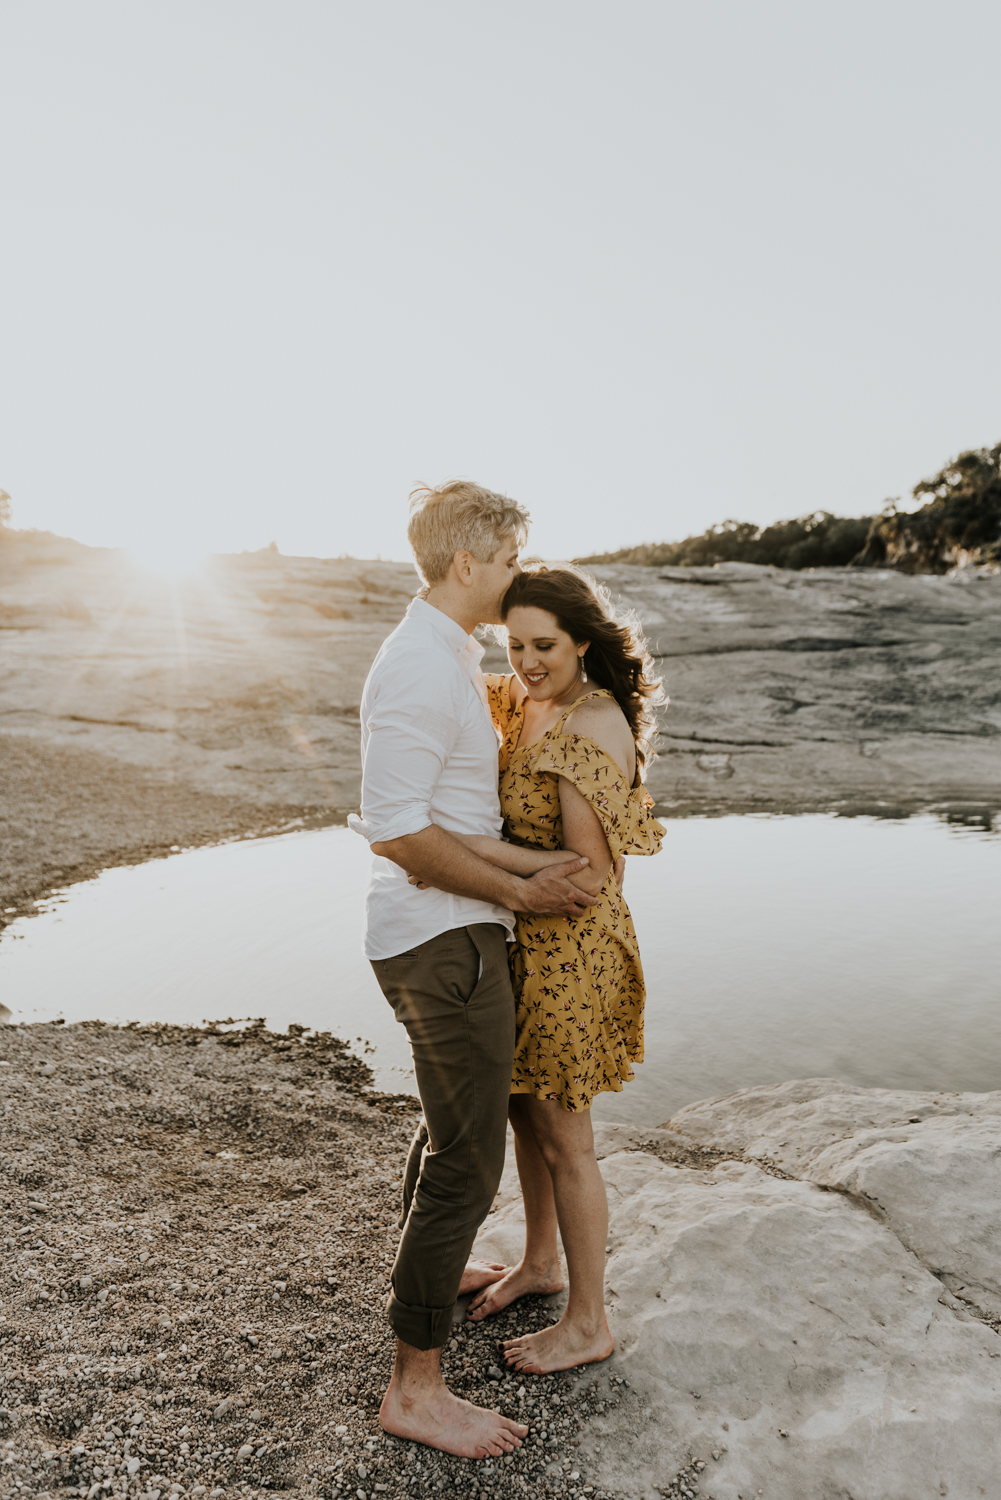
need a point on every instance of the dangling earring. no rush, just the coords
(583, 674)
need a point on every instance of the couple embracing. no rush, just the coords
(499, 809)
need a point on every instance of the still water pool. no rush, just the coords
(775, 947)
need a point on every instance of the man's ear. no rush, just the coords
(462, 562)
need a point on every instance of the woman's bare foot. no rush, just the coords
(520, 1281)
(444, 1421)
(478, 1274)
(559, 1348)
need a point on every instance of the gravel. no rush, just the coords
(198, 1226)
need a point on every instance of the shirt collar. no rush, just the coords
(457, 640)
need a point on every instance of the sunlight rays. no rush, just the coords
(171, 559)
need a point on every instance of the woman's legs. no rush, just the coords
(539, 1268)
(562, 1186)
(565, 1143)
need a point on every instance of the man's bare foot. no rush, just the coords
(444, 1421)
(520, 1281)
(478, 1274)
(559, 1348)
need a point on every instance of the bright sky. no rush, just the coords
(265, 263)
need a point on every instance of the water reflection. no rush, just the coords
(860, 948)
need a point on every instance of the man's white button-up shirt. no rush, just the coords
(429, 755)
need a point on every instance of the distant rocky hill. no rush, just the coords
(818, 540)
(960, 526)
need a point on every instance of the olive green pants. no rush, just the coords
(453, 994)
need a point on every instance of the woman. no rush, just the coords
(574, 723)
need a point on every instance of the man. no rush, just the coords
(429, 756)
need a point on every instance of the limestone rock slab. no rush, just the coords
(785, 1329)
(929, 1164)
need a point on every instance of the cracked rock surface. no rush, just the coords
(826, 688)
(929, 1165)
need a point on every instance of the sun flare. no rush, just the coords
(171, 559)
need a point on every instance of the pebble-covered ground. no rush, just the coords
(197, 1230)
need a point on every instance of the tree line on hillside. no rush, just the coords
(960, 524)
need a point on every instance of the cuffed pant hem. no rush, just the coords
(420, 1327)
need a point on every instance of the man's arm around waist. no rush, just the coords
(439, 860)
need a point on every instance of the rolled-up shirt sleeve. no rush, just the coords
(408, 745)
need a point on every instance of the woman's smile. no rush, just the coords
(533, 634)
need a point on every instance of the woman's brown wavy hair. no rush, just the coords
(617, 657)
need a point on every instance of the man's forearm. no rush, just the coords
(438, 859)
(516, 858)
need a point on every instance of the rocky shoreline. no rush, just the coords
(138, 716)
(804, 1283)
(805, 1280)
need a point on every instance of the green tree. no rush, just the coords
(960, 523)
(818, 540)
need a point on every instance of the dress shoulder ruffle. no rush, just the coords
(625, 812)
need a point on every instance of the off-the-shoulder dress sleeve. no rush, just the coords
(498, 687)
(625, 813)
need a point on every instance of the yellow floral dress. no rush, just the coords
(578, 982)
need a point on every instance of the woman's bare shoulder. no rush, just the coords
(597, 713)
(602, 720)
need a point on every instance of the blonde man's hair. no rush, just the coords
(460, 516)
